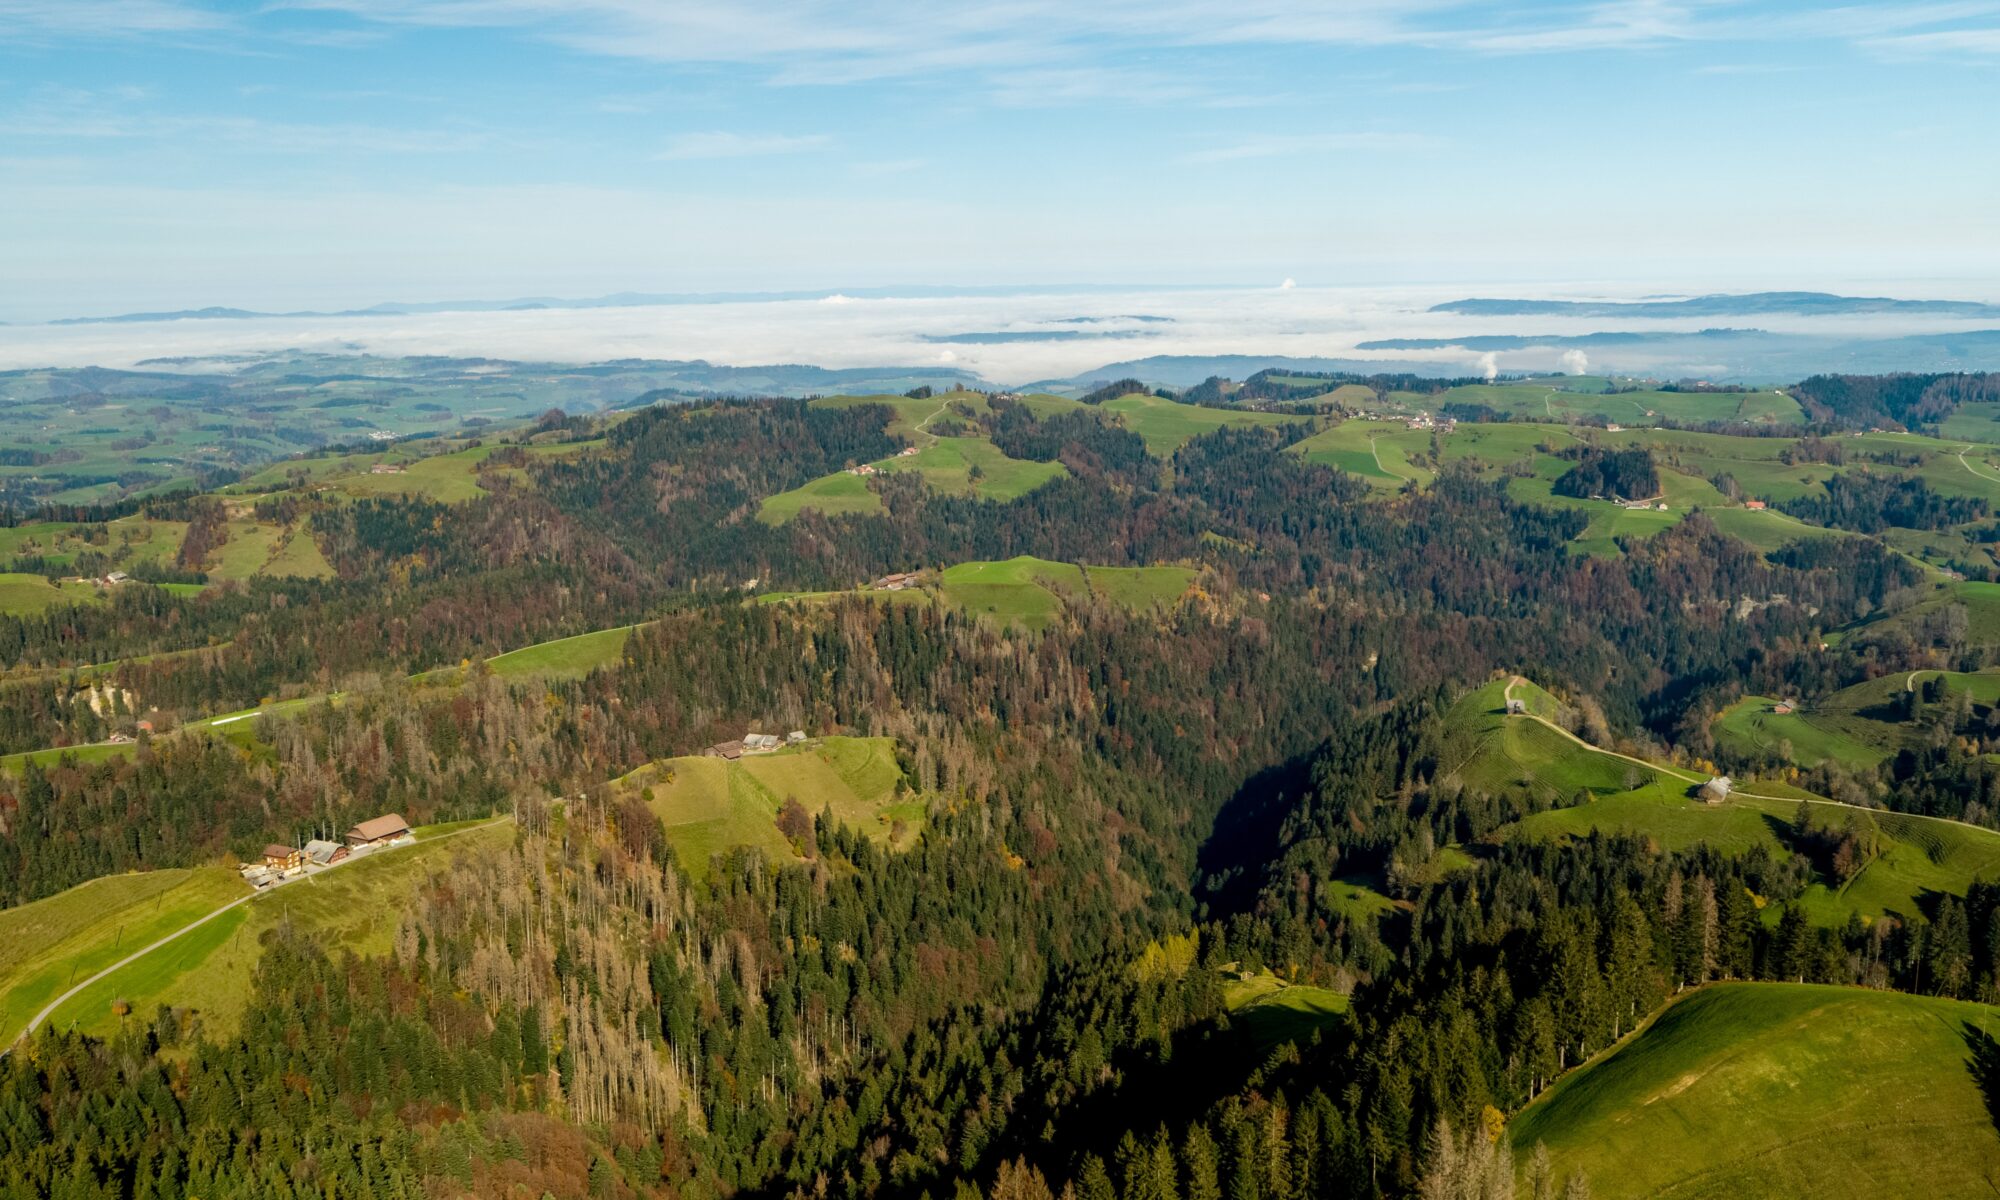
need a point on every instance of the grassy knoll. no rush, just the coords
(447, 478)
(26, 595)
(1272, 1011)
(1139, 587)
(126, 541)
(967, 465)
(1856, 726)
(836, 495)
(1813, 737)
(47, 945)
(93, 752)
(1981, 602)
(1167, 425)
(973, 466)
(1029, 591)
(908, 413)
(1024, 591)
(1564, 400)
(710, 805)
(1357, 899)
(1914, 857)
(257, 548)
(1378, 452)
(1765, 1089)
(579, 655)
(353, 906)
(1977, 422)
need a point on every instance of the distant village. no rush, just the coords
(1422, 420)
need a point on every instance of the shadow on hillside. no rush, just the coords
(1983, 1061)
(1245, 834)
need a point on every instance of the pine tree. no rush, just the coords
(1198, 1156)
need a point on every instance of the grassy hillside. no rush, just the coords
(1981, 602)
(210, 969)
(1768, 1090)
(1560, 399)
(968, 465)
(1273, 1011)
(260, 548)
(1377, 452)
(26, 595)
(1166, 425)
(1857, 726)
(1025, 591)
(47, 945)
(126, 541)
(1916, 857)
(579, 655)
(709, 805)
(1812, 736)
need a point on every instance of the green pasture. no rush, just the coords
(1781, 1090)
(355, 906)
(49, 944)
(710, 805)
(1915, 858)
(1378, 452)
(579, 655)
(1167, 425)
(28, 595)
(1272, 1011)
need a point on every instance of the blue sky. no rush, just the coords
(318, 153)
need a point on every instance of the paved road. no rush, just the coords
(198, 922)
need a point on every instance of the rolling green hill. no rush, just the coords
(1378, 452)
(1756, 1090)
(49, 944)
(1273, 1011)
(1914, 857)
(27, 595)
(709, 805)
(1167, 425)
(1858, 726)
(958, 465)
(1024, 590)
(210, 969)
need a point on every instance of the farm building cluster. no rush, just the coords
(1420, 421)
(755, 743)
(897, 581)
(281, 862)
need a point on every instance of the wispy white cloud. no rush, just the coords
(1748, 68)
(723, 144)
(1953, 43)
(896, 166)
(34, 19)
(69, 115)
(1293, 145)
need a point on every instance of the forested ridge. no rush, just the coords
(1127, 815)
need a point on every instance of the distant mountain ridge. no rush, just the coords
(624, 300)
(1744, 304)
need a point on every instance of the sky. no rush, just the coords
(287, 154)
